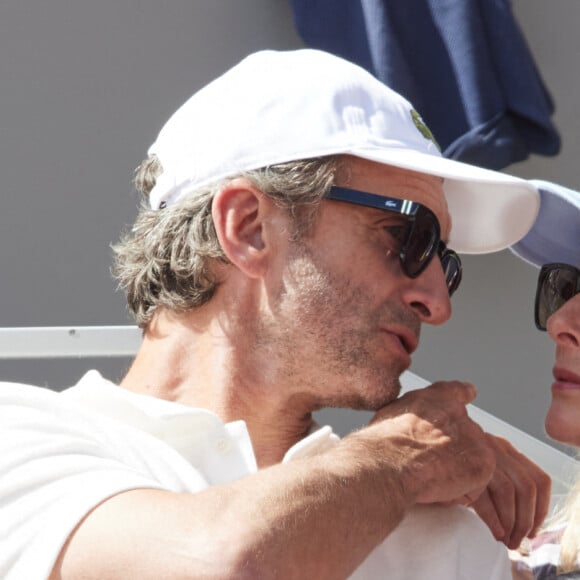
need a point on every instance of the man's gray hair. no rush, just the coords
(167, 258)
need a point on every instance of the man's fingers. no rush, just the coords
(457, 390)
(519, 491)
(525, 513)
(445, 453)
(449, 397)
(461, 391)
(488, 512)
(509, 507)
(544, 491)
(532, 499)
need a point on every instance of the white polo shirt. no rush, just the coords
(61, 454)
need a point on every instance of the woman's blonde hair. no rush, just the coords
(569, 516)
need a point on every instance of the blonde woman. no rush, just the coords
(554, 243)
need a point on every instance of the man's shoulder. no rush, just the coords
(28, 393)
(19, 400)
(12, 390)
(102, 422)
(43, 420)
(60, 436)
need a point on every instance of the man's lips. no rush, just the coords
(407, 337)
(565, 379)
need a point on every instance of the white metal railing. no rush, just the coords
(68, 341)
(123, 341)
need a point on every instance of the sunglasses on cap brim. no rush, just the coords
(557, 283)
(422, 238)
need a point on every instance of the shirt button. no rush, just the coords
(223, 445)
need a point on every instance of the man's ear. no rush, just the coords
(240, 213)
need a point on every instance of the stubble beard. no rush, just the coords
(326, 342)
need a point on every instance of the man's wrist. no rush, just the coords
(379, 470)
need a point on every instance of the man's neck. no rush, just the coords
(198, 367)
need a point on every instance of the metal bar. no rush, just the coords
(69, 342)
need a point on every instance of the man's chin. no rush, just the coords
(371, 399)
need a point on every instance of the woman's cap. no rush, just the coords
(555, 235)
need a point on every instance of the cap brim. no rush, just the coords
(555, 236)
(490, 211)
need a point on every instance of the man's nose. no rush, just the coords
(428, 296)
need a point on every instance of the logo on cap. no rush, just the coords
(423, 129)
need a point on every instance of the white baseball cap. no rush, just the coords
(279, 106)
(555, 235)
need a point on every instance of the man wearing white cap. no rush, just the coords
(294, 242)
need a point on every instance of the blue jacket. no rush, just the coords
(464, 64)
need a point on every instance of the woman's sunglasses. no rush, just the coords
(422, 238)
(557, 283)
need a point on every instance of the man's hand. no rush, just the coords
(443, 443)
(428, 437)
(517, 498)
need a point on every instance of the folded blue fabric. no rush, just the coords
(465, 65)
(555, 236)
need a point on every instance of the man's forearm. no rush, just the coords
(312, 517)
(316, 517)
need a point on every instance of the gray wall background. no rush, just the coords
(84, 89)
